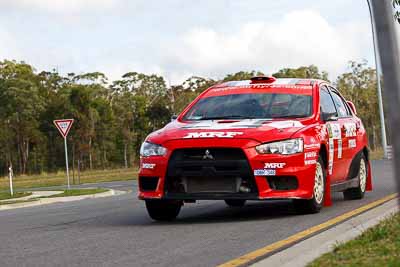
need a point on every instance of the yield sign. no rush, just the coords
(64, 126)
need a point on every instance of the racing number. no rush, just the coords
(334, 122)
(348, 132)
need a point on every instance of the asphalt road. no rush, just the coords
(117, 231)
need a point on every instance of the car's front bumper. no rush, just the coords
(269, 166)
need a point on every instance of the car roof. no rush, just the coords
(279, 81)
(263, 84)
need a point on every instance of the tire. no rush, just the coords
(358, 192)
(163, 210)
(235, 202)
(314, 205)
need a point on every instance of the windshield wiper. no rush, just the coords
(226, 117)
(291, 116)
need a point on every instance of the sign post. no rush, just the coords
(10, 173)
(63, 127)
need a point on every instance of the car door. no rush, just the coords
(335, 168)
(348, 133)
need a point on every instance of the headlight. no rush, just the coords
(149, 149)
(287, 147)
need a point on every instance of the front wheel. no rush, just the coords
(163, 210)
(314, 205)
(359, 191)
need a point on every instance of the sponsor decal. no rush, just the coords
(310, 158)
(350, 129)
(299, 87)
(222, 89)
(334, 131)
(264, 172)
(340, 143)
(323, 131)
(274, 165)
(215, 125)
(311, 146)
(259, 86)
(212, 135)
(310, 162)
(310, 155)
(352, 143)
(149, 166)
(331, 155)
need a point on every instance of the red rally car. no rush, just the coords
(260, 139)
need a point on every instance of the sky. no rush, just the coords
(181, 38)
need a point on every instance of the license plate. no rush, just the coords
(264, 172)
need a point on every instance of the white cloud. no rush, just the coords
(60, 6)
(8, 46)
(299, 38)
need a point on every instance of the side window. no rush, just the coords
(341, 106)
(327, 105)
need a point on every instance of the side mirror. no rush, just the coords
(174, 117)
(352, 106)
(329, 117)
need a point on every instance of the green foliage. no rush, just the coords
(21, 104)
(47, 179)
(311, 72)
(113, 118)
(242, 75)
(377, 246)
(359, 86)
(181, 95)
(7, 195)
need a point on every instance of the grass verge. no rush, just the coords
(17, 201)
(378, 246)
(79, 192)
(7, 195)
(376, 154)
(54, 179)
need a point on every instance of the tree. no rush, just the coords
(241, 75)
(182, 95)
(359, 86)
(141, 104)
(310, 72)
(88, 98)
(20, 108)
(129, 111)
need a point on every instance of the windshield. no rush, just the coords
(251, 106)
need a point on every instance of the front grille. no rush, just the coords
(209, 172)
(283, 182)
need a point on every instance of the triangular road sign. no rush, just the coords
(63, 126)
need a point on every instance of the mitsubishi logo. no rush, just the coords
(207, 155)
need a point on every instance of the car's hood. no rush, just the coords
(260, 130)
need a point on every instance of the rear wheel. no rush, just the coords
(235, 202)
(163, 210)
(358, 192)
(314, 205)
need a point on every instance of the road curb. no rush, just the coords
(306, 251)
(34, 195)
(44, 201)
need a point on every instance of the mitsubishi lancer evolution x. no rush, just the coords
(260, 139)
